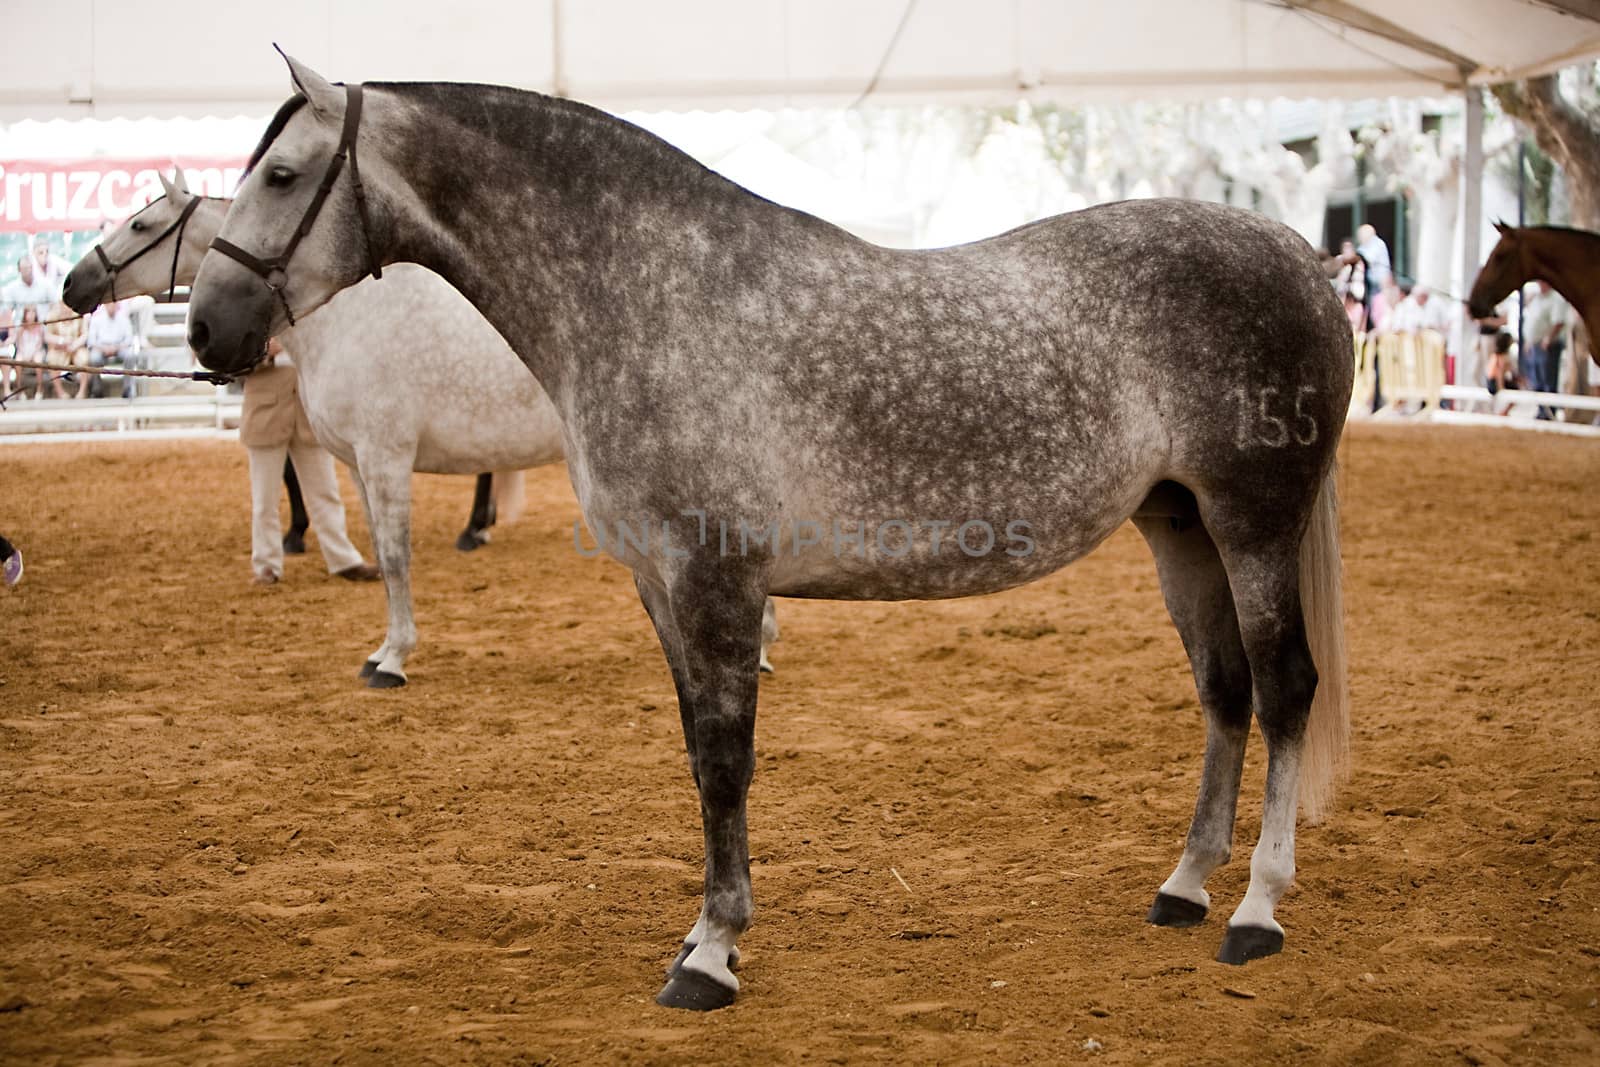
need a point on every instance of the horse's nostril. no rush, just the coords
(199, 336)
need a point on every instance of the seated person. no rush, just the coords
(1501, 373)
(112, 339)
(67, 346)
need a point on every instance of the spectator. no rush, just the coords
(1500, 374)
(10, 377)
(1546, 337)
(1351, 284)
(1386, 299)
(28, 289)
(1375, 252)
(112, 339)
(1482, 354)
(50, 269)
(68, 346)
(272, 426)
(29, 338)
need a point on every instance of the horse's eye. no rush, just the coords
(280, 176)
(138, 226)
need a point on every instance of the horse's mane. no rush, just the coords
(521, 118)
(1570, 231)
(285, 112)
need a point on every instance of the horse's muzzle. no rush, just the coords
(230, 318)
(83, 286)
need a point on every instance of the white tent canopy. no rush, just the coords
(135, 58)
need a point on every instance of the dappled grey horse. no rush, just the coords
(755, 401)
(396, 375)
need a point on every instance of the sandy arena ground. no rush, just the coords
(217, 848)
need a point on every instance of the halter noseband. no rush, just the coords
(274, 271)
(177, 250)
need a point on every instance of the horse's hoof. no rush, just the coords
(472, 540)
(767, 667)
(367, 668)
(294, 544)
(1245, 943)
(683, 954)
(1169, 910)
(382, 679)
(693, 991)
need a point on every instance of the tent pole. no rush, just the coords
(1472, 188)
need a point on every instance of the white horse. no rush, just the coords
(467, 403)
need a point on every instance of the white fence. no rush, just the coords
(213, 414)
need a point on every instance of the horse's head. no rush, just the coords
(157, 248)
(299, 230)
(1502, 272)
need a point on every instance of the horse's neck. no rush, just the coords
(1568, 260)
(546, 226)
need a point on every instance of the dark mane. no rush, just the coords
(279, 121)
(530, 116)
(1563, 230)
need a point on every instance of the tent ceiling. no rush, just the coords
(108, 58)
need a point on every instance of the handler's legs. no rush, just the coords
(266, 532)
(320, 487)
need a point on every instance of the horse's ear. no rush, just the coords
(324, 96)
(1501, 226)
(175, 187)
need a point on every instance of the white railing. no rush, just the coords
(175, 415)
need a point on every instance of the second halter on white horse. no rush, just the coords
(467, 404)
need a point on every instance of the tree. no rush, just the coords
(1565, 122)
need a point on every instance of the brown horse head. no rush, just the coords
(1502, 272)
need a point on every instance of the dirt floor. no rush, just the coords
(216, 847)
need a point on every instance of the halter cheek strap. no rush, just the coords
(274, 271)
(177, 225)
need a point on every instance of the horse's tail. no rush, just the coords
(1327, 742)
(510, 496)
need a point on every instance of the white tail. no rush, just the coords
(510, 496)
(1326, 752)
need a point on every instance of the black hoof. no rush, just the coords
(294, 544)
(367, 668)
(1169, 910)
(471, 540)
(693, 991)
(1245, 943)
(767, 668)
(385, 680)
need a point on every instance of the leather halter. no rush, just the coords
(274, 271)
(177, 250)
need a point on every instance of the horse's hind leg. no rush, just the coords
(1266, 592)
(385, 482)
(477, 532)
(1195, 587)
(294, 542)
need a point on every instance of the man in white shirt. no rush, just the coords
(28, 288)
(1375, 252)
(1419, 312)
(1546, 335)
(50, 269)
(112, 338)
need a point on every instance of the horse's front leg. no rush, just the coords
(385, 481)
(716, 610)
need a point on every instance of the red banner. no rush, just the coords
(54, 195)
